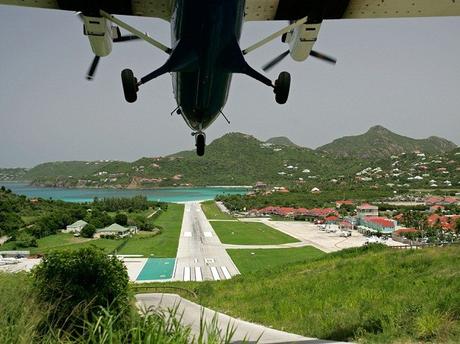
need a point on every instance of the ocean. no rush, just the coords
(173, 195)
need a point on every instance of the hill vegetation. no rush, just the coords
(239, 159)
(281, 141)
(379, 142)
(372, 294)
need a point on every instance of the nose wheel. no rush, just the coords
(282, 86)
(200, 143)
(130, 85)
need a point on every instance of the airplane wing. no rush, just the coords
(349, 9)
(152, 8)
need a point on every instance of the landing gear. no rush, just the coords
(200, 143)
(130, 86)
(282, 86)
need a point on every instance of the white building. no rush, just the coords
(75, 227)
(367, 210)
(116, 230)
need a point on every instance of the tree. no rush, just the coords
(121, 219)
(88, 231)
(77, 283)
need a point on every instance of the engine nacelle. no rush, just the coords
(301, 40)
(100, 34)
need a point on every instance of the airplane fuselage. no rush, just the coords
(210, 28)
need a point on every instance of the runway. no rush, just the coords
(200, 255)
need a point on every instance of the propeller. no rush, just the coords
(92, 68)
(281, 57)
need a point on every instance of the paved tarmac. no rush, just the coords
(201, 255)
(244, 331)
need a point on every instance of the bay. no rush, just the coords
(174, 195)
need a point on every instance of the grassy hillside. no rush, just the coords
(379, 142)
(64, 169)
(376, 294)
(12, 174)
(281, 141)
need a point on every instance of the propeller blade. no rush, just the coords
(92, 68)
(125, 38)
(275, 61)
(323, 57)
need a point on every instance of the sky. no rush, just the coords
(403, 74)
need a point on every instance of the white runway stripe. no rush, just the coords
(215, 273)
(187, 273)
(188, 234)
(198, 275)
(225, 272)
(207, 234)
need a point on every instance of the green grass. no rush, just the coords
(143, 243)
(249, 233)
(64, 241)
(249, 261)
(212, 212)
(165, 244)
(376, 294)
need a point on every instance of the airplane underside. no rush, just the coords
(205, 53)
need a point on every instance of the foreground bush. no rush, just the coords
(80, 282)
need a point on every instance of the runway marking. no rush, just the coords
(188, 234)
(195, 260)
(215, 273)
(198, 275)
(207, 234)
(225, 272)
(209, 260)
(187, 273)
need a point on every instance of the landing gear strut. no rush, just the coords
(200, 143)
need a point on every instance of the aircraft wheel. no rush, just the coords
(200, 143)
(282, 86)
(129, 85)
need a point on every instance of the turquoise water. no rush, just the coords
(87, 195)
(157, 269)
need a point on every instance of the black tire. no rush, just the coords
(129, 85)
(282, 86)
(200, 144)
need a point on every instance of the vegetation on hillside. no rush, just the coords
(372, 294)
(83, 297)
(379, 142)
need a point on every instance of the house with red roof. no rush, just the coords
(375, 224)
(338, 204)
(446, 222)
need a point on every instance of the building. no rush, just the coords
(338, 204)
(372, 224)
(75, 227)
(115, 230)
(367, 210)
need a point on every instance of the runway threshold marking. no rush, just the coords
(198, 275)
(225, 272)
(188, 234)
(215, 273)
(187, 274)
(207, 234)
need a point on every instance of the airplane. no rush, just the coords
(205, 50)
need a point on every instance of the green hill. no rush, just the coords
(64, 169)
(367, 295)
(281, 141)
(379, 142)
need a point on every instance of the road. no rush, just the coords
(201, 255)
(191, 314)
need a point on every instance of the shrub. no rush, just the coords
(121, 219)
(88, 231)
(80, 282)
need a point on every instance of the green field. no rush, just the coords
(165, 244)
(249, 233)
(64, 241)
(369, 295)
(254, 260)
(143, 243)
(212, 212)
